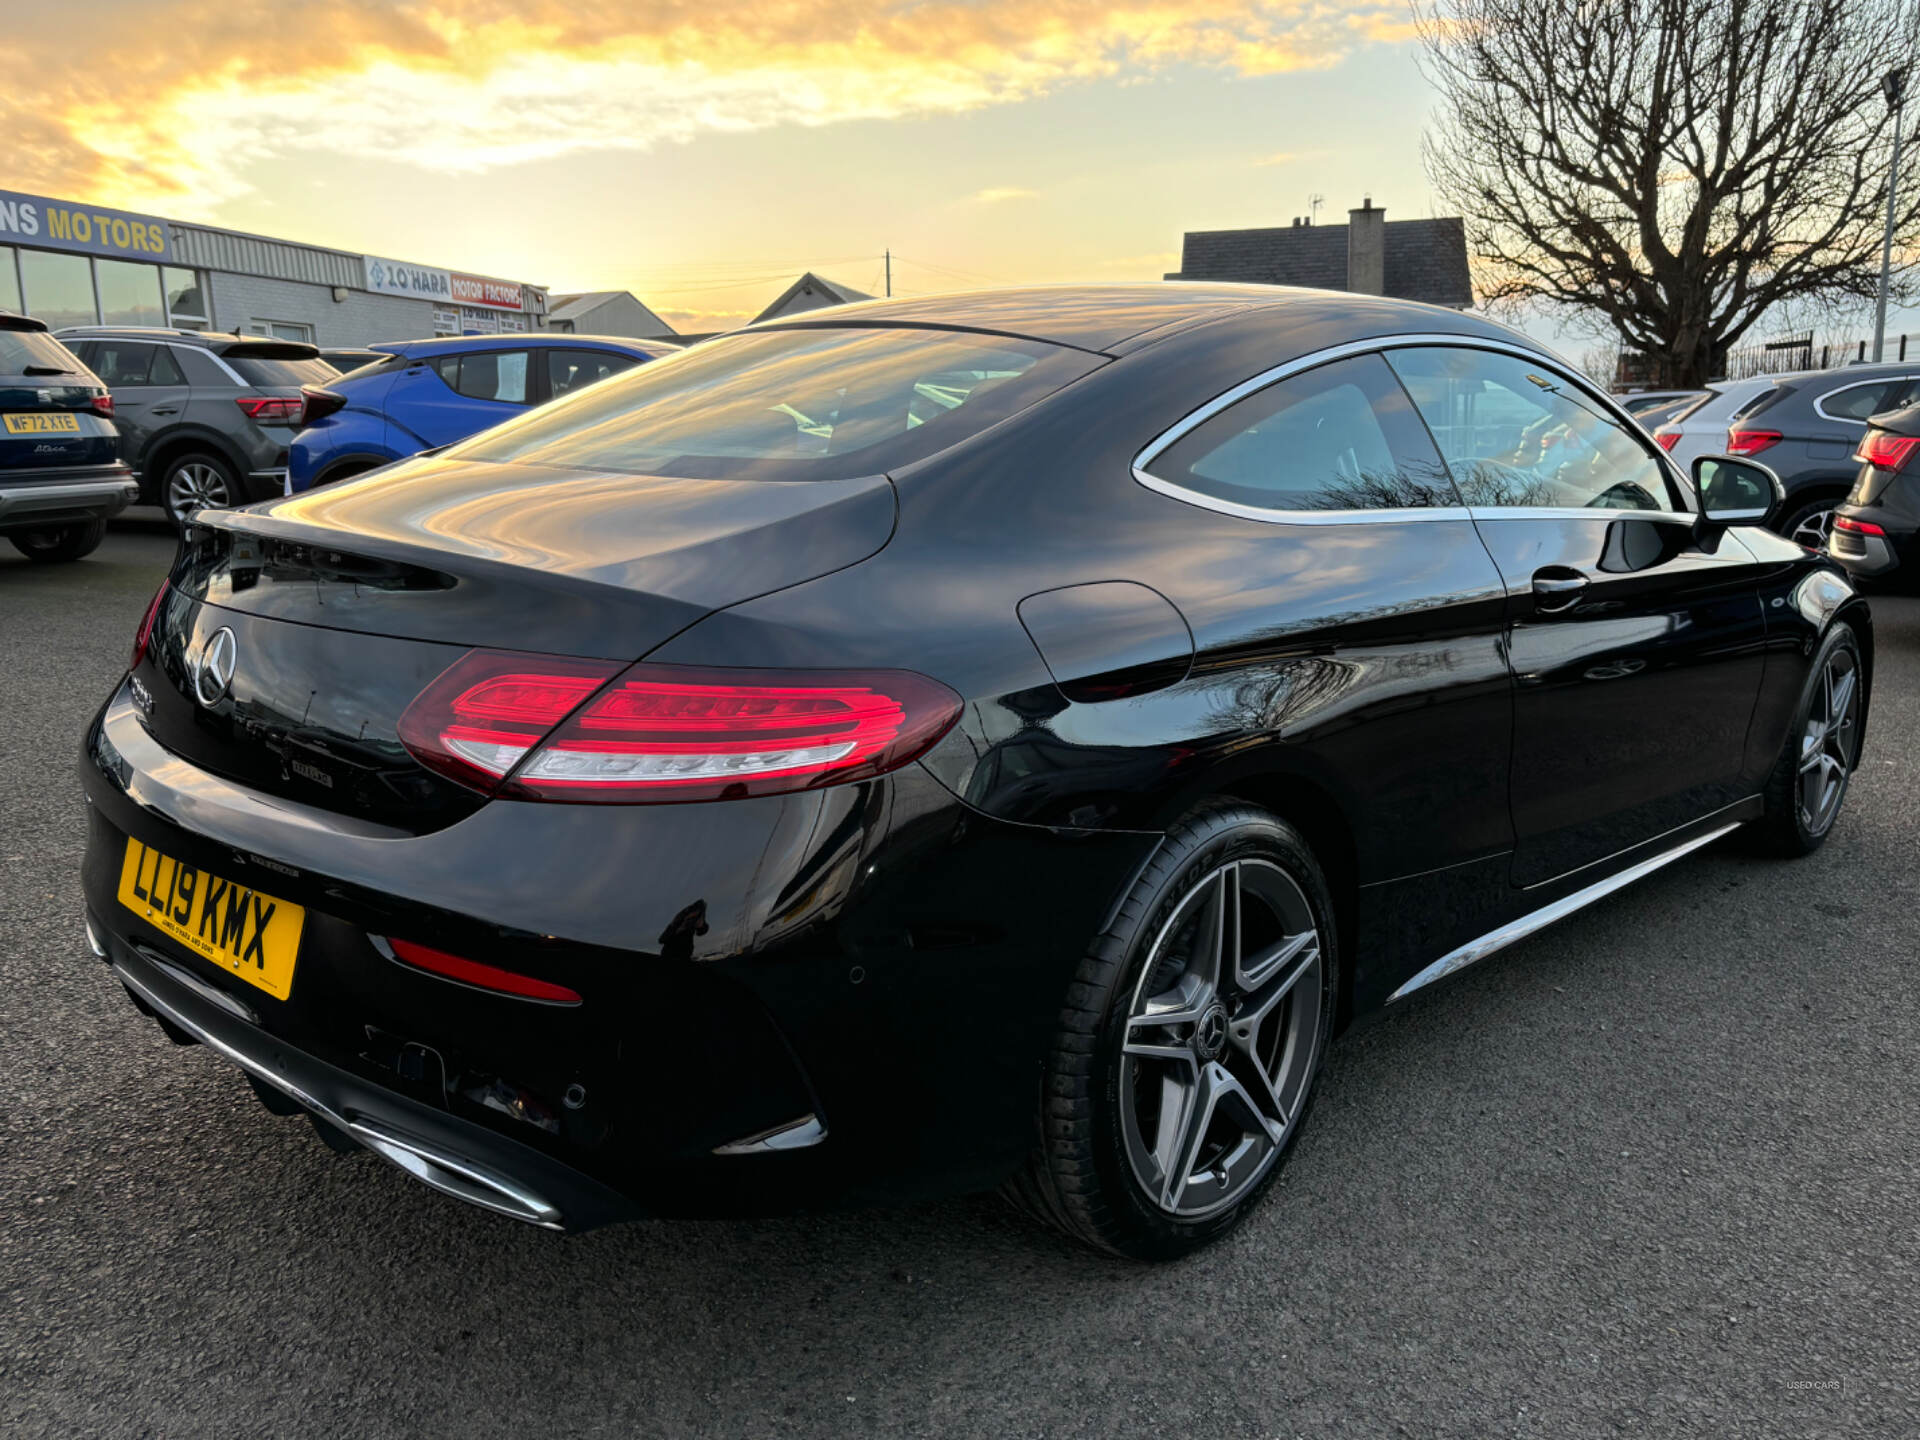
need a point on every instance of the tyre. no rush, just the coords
(1810, 521)
(60, 543)
(1809, 783)
(195, 480)
(1191, 1042)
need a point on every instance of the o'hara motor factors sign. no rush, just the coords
(89, 229)
(395, 277)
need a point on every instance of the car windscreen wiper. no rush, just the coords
(47, 370)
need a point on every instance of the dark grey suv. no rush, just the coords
(204, 417)
(1806, 428)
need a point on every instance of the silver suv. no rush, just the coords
(204, 417)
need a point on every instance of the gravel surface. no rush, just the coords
(1656, 1171)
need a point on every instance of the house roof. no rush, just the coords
(566, 307)
(817, 289)
(1426, 260)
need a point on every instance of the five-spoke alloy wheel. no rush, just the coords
(1221, 1038)
(1827, 740)
(1191, 1041)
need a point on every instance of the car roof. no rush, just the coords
(225, 342)
(11, 321)
(1102, 317)
(464, 344)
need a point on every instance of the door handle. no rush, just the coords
(1557, 588)
(169, 410)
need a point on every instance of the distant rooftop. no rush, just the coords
(1424, 260)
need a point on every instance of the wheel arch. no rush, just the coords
(186, 441)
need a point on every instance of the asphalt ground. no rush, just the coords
(1653, 1172)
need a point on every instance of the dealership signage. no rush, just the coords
(496, 294)
(90, 229)
(393, 277)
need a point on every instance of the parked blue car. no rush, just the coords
(422, 394)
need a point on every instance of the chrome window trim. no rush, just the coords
(1576, 512)
(1412, 513)
(1820, 402)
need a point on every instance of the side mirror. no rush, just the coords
(1734, 491)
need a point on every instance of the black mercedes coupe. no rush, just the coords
(937, 744)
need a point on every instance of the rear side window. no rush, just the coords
(796, 404)
(486, 375)
(27, 352)
(1857, 402)
(123, 362)
(201, 368)
(1339, 437)
(577, 369)
(256, 371)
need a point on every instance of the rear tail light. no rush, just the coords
(1751, 442)
(1886, 451)
(586, 731)
(144, 635)
(317, 404)
(102, 404)
(479, 975)
(1667, 438)
(1858, 527)
(272, 409)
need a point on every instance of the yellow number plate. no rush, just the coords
(42, 424)
(255, 936)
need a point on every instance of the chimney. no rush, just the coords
(1367, 249)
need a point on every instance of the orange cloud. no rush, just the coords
(182, 92)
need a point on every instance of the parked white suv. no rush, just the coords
(1702, 429)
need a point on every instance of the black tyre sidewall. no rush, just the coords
(76, 540)
(1784, 825)
(1802, 510)
(1240, 833)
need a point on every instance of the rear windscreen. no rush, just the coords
(789, 405)
(281, 372)
(25, 352)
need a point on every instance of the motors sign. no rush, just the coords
(417, 282)
(496, 294)
(88, 229)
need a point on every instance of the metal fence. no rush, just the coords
(1770, 357)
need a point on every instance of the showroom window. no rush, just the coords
(58, 288)
(129, 293)
(186, 299)
(282, 330)
(9, 280)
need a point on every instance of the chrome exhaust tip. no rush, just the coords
(95, 941)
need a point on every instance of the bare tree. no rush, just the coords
(1679, 166)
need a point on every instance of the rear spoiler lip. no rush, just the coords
(268, 350)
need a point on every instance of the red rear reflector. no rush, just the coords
(1859, 527)
(1886, 451)
(1667, 438)
(543, 729)
(272, 409)
(1751, 442)
(144, 635)
(102, 404)
(484, 977)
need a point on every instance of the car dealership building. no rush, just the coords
(73, 264)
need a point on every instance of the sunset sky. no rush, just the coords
(703, 154)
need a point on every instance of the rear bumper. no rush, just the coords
(435, 1148)
(797, 1002)
(52, 498)
(1872, 557)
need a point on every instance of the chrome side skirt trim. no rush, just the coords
(794, 1135)
(1493, 940)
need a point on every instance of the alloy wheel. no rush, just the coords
(1827, 743)
(1222, 1039)
(1812, 531)
(194, 485)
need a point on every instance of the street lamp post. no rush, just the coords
(1894, 83)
